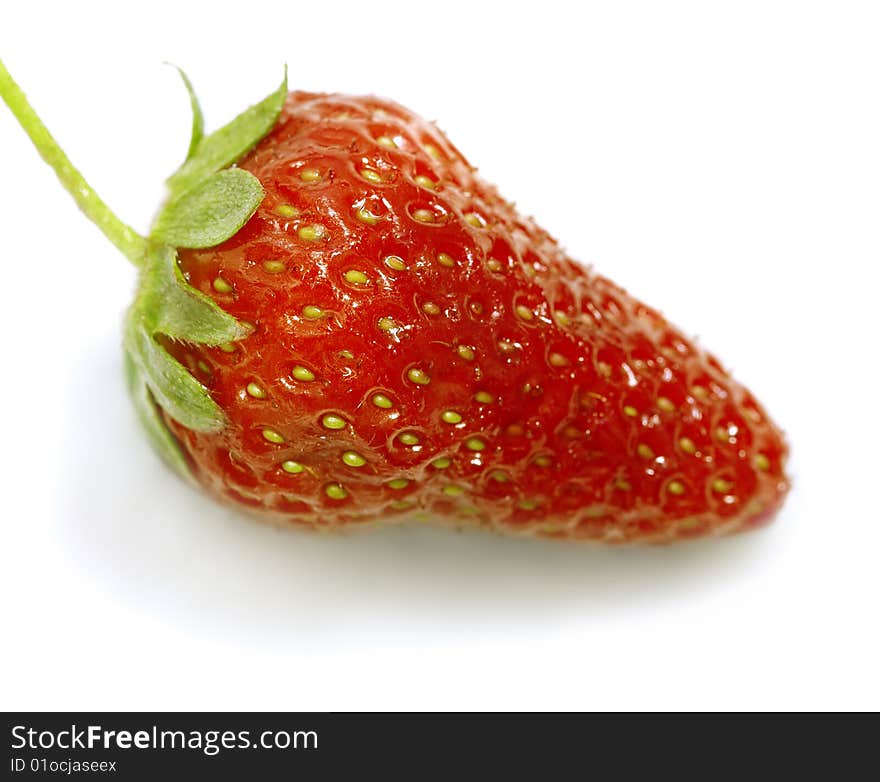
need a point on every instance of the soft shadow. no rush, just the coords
(159, 546)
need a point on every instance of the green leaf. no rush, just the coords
(167, 304)
(171, 306)
(163, 441)
(228, 144)
(183, 397)
(211, 211)
(198, 120)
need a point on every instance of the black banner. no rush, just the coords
(135, 746)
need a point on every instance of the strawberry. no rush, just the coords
(338, 323)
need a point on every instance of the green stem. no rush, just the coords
(127, 240)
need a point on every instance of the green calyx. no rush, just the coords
(209, 201)
(209, 212)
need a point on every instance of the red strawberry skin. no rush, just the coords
(527, 394)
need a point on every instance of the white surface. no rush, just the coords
(720, 160)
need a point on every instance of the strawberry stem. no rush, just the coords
(127, 240)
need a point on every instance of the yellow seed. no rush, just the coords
(380, 400)
(494, 265)
(423, 216)
(353, 459)
(675, 487)
(387, 142)
(474, 444)
(557, 360)
(409, 438)
(397, 483)
(475, 220)
(441, 464)
(665, 404)
(356, 277)
(561, 318)
(335, 491)
(422, 181)
(622, 484)
(630, 411)
(366, 216)
(446, 260)
(255, 391)
(500, 476)
(429, 308)
(404, 505)
(699, 392)
(274, 267)
(346, 354)
(301, 373)
(542, 461)
(395, 262)
(645, 451)
(311, 312)
(687, 445)
(310, 175)
(484, 397)
(371, 176)
(311, 233)
(432, 151)
(451, 417)
(203, 366)
(418, 376)
(331, 421)
(466, 352)
(453, 491)
(721, 486)
(292, 467)
(286, 210)
(227, 347)
(386, 324)
(528, 504)
(524, 312)
(221, 286)
(272, 436)
(762, 462)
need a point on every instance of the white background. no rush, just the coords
(721, 160)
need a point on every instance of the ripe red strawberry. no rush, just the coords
(407, 346)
